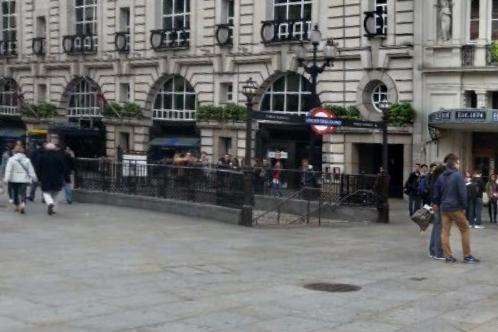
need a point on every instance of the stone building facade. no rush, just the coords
(458, 60)
(170, 56)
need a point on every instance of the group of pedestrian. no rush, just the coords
(48, 166)
(453, 198)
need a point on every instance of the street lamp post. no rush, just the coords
(248, 90)
(384, 176)
(314, 69)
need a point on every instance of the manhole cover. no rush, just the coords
(333, 288)
(418, 278)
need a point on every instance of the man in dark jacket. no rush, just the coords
(435, 248)
(51, 171)
(412, 190)
(450, 197)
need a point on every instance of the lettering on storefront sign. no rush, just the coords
(343, 123)
(440, 116)
(494, 116)
(271, 116)
(470, 115)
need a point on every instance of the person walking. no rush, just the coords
(478, 190)
(34, 157)
(5, 158)
(435, 248)
(52, 171)
(423, 185)
(492, 192)
(450, 197)
(412, 190)
(19, 172)
(276, 185)
(69, 157)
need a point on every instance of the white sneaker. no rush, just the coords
(479, 227)
(11, 201)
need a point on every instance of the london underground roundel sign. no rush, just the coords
(326, 114)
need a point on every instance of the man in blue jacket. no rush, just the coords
(450, 196)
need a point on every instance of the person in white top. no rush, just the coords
(19, 172)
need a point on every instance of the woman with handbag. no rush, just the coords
(492, 197)
(19, 172)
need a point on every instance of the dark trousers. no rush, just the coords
(474, 211)
(414, 203)
(435, 248)
(32, 192)
(19, 193)
(492, 206)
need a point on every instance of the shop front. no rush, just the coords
(471, 133)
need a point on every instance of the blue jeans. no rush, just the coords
(414, 203)
(275, 189)
(68, 192)
(435, 248)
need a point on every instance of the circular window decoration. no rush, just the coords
(379, 93)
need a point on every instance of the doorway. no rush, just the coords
(292, 141)
(370, 162)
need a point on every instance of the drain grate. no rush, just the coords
(332, 288)
(418, 278)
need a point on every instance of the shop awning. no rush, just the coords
(176, 142)
(70, 130)
(12, 132)
(465, 119)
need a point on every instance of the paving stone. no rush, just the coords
(97, 268)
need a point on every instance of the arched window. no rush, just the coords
(84, 99)
(8, 97)
(291, 93)
(379, 93)
(175, 100)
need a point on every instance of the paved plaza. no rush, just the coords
(96, 268)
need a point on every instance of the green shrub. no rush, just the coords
(127, 110)
(348, 112)
(493, 52)
(401, 114)
(42, 110)
(229, 112)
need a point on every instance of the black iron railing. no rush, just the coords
(194, 184)
(122, 42)
(162, 40)
(80, 44)
(38, 46)
(8, 48)
(468, 53)
(268, 182)
(285, 30)
(224, 34)
(375, 23)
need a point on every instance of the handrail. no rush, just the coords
(278, 207)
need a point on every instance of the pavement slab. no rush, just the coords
(100, 268)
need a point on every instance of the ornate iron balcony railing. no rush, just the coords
(163, 40)
(38, 46)
(285, 31)
(468, 53)
(80, 44)
(122, 42)
(8, 48)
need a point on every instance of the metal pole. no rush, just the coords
(384, 178)
(247, 209)
(314, 102)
